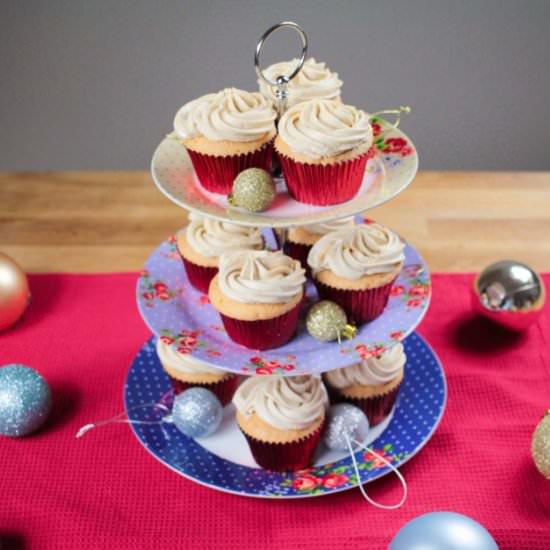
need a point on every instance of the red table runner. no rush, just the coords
(106, 491)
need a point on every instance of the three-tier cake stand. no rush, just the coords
(172, 308)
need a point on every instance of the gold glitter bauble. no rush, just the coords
(327, 321)
(540, 446)
(253, 189)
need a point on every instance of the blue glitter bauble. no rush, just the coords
(25, 400)
(197, 412)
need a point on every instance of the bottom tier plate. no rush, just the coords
(223, 461)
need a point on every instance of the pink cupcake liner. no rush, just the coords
(299, 252)
(216, 173)
(376, 407)
(198, 275)
(361, 306)
(263, 334)
(282, 457)
(324, 185)
(224, 389)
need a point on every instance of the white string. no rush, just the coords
(123, 419)
(397, 112)
(388, 463)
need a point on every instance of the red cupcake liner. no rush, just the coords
(299, 252)
(324, 185)
(224, 389)
(376, 407)
(361, 306)
(283, 457)
(198, 275)
(265, 333)
(216, 173)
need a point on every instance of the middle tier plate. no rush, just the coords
(173, 309)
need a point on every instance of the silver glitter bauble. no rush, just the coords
(345, 421)
(327, 321)
(509, 293)
(540, 446)
(25, 400)
(197, 412)
(253, 189)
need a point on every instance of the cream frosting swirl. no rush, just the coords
(327, 227)
(184, 363)
(229, 115)
(260, 277)
(324, 128)
(373, 371)
(211, 238)
(364, 249)
(315, 80)
(286, 403)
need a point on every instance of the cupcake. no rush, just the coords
(371, 385)
(258, 295)
(186, 371)
(356, 268)
(226, 133)
(202, 242)
(314, 81)
(282, 419)
(299, 240)
(323, 147)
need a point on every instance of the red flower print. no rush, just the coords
(418, 290)
(378, 350)
(203, 299)
(289, 367)
(415, 302)
(406, 151)
(188, 341)
(256, 360)
(363, 351)
(148, 295)
(184, 350)
(368, 221)
(413, 270)
(334, 480)
(271, 364)
(305, 483)
(163, 296)
(167, 340)
(189, 334)
(376, 129)
(397, 335)
(160, 288)
(397, 290)
(213, 353)
(394, 145)
(172, 239)
(376, 461)
(263, 370)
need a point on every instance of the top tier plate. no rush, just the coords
(387, 174)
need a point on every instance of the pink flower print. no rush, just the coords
(376, 461)
(397, 290)
(334, 480)
(305, 483)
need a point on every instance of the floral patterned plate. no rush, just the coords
(183, 317)
(223, 461)
(390, 171)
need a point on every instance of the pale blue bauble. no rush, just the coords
(25, 400)
(443, 531)
(197, 412)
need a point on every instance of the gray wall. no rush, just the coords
(95, 85)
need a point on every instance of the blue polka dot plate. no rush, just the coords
(184, 318)
(223, 460)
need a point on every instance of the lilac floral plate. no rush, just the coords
(388, 173)
(223, 460)
(184, 318)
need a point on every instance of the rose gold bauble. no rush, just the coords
(14, 292)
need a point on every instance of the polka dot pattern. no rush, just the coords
(418, 410)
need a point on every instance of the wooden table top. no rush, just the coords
(110, 221)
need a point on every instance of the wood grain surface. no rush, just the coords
(110, 221)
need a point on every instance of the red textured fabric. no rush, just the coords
(106, 491)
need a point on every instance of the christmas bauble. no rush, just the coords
(345, 422)
(14, 292)
(540, 446)
(25, 400)
(327, 321)
(253, 189)
(197, 412)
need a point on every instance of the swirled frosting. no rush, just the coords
(211, 238)
(324, 128)
(373, 371)
(260, 277)
(364, 249)
(184, 363)
(315, 80)
(327, 227)
(286, 403)
(232, 115)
